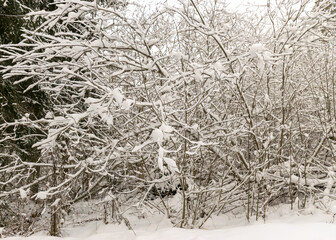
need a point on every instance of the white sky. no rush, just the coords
(245, 3)
(234, 4)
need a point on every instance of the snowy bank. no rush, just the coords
(293, 226)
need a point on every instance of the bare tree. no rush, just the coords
(192, 110)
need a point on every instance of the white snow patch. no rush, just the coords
(56, 202)
(171, 164)
(256, 48)
(42, 195)
(166, 128)
(160, 163)
(23, 193)
(118, 95)
(126, 105)
(49, 115)
(333, 207)
(157, 135)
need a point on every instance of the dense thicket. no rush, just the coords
(191, 110)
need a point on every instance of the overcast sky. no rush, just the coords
(245, 3)
(232, 3)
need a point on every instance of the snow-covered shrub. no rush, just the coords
(235, 113)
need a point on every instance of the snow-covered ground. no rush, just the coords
(283, 224)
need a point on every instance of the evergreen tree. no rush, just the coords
(15, 101)
(16, 104)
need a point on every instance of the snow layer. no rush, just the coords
(294, 227)
(315, 231)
